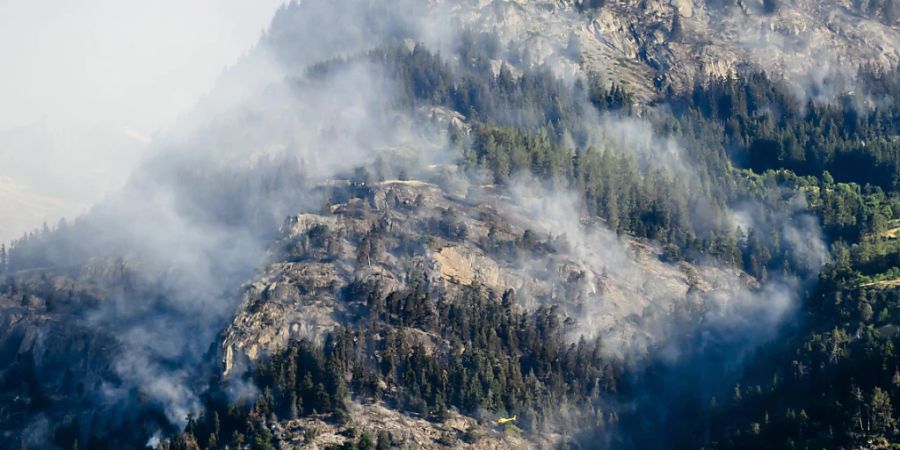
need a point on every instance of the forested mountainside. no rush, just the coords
(622, 225)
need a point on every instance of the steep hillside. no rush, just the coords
(406, 232)
(623, 224)
(356, 267)
(651, 46)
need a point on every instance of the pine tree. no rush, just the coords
(882, 410)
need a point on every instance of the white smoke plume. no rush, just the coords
(195, 219)
(645, 305)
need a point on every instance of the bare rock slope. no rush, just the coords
(395, 232)
(649, 46)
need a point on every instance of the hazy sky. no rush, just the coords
(85, 84)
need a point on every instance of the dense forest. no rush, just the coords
(831, 380)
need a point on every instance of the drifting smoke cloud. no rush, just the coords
(195, 219)
(807, 43)
(800, 230)
(200, 215)
(686, 331)
(662, 302)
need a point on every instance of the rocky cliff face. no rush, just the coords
(395, 233)
(648, 46)
(405, 431)
(405, 229)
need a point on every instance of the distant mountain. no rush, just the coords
(21, 209)
(45, 177)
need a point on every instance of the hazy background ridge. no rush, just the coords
(86, 86)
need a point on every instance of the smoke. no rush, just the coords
(199, 216)
(636, 138)
(814, 46)
(662, 302)
(196, 218)
(153, 441)
(686, 331)
(786, 216)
